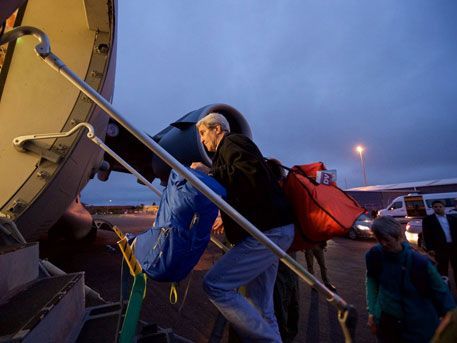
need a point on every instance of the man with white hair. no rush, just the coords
(252, 190)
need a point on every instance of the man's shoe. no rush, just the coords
(330, 286)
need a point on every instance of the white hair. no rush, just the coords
(212, 120)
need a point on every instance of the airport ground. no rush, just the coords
(101, 261)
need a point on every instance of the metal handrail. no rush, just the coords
(43, 50)
(20, 141)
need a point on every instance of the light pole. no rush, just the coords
(360, 150)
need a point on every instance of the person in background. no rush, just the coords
(317, 252)
(406, 295)
(374, 214)
(285, 293)
(440, 238)
(254, 192)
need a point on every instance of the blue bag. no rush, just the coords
(181, 232)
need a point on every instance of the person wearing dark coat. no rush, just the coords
(254, 192)
(440, 238)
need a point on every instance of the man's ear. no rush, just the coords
(218, 129)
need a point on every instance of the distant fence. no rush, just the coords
(121, 209)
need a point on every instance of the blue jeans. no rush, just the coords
(249, 264)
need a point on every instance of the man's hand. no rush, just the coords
(218, 226)
(200, 166)
(431, 253)
(372, 324)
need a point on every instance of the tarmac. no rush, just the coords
(194, 320)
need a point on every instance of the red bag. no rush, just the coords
(321, 211)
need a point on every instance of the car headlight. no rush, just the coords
(363, 227)
(411, 237)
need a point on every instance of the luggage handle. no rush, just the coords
(302, 173)
(296, 170)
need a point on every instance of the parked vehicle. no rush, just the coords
(413, 232)
(361, 228)
(416, 205)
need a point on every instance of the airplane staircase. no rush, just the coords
(35, 307)
(347, 315)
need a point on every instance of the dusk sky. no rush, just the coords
(313, 79)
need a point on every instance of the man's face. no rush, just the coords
(438, 208)
(210, 137)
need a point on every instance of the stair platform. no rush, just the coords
(100, 324)
(18, 266)
(44, 311)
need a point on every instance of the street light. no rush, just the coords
(360, 150)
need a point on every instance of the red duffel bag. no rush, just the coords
(321, 211)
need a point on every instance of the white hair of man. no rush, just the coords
(212, 120)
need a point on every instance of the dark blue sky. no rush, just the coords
(313, 79)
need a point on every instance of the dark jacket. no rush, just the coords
(252, 189)
(434, 238)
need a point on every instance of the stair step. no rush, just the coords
(18, 266)
(47, 310)
(100, 324)
(162, 336)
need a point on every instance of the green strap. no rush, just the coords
(132, 314)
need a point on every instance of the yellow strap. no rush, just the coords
(118, 232)
(342, 318)
(127, 252)
(173, 294)
(130, 259)
(145, 279)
